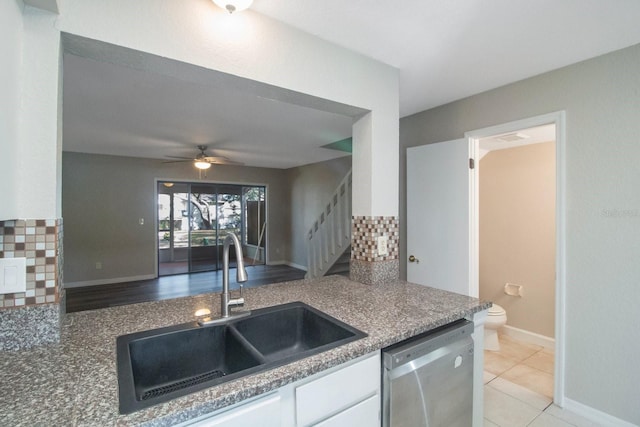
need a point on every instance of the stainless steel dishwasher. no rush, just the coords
(428, 380)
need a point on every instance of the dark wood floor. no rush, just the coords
(182, 285)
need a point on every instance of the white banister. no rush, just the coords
(330, 234)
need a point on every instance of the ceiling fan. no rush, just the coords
(203, 161)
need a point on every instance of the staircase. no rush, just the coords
(329, 239)
(343, 265)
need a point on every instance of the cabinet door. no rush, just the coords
(337, 391)
(364, 414)
(263, 412)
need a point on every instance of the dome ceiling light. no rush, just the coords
(233, 5)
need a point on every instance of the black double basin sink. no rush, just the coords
(158, 365)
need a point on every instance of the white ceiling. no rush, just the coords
(444, 49)
(115, 110)
(536, 135)
(450, 49)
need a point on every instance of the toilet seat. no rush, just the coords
(496, 310)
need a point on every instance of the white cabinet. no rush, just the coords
(347, 395)
(335, 392)
(264, 412)
(364, 414)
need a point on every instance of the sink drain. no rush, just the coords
(198, 379)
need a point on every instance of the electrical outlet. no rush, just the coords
(99, 265)
(13, 273)
(383, 241)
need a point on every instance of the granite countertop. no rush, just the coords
(74, 383)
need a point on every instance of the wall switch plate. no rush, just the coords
(99, 265)
(383, 242)
(13, 275)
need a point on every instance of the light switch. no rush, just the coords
(13, 275)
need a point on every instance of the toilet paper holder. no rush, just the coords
(514, 290)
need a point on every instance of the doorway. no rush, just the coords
(516, 198)
(193, 220)
(556, 119)
(442, 216)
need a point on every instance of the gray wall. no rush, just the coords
(517, 233)
(103, 198)
(311, 189)
(601, 98)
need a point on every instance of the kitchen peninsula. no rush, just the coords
(75, 382)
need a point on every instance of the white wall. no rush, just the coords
(256, 47)
(197, 32)
(37, 170)
(311, 188)
(601, 98)
(11, 54)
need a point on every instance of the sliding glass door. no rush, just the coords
(203, 241)
(194, 218)
(255, 224)
(173, 228)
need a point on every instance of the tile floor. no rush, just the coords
(518, 388)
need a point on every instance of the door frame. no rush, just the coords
(559, 119)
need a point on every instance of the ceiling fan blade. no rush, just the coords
(179, 157)
(214, 159)
(177, 161)
(220, 160)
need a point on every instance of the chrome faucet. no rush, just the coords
(226, 302)
(241, 275)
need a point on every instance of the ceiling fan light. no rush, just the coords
(233, 5)
(202, 165)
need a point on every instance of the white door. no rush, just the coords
(438, 215)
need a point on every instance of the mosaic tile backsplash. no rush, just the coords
(40, 242)
(366, 230)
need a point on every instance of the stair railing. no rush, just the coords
(330, 234)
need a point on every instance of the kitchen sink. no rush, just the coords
(158, 365)
(279, 334)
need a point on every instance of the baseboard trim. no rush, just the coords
(290, 264)
(529, 337)
(97, 282)
(298, 266)
(592, 414)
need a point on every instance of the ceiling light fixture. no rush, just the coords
(201, 164)
(233, 5)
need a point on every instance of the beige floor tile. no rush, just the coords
(542, 361)
(506, 411)
(496, 363)
(521, 393)
(515, 349)
(570, 417)
(548, 351)
(546, 420)
(488, 423)
(487, 377)
(531, 378)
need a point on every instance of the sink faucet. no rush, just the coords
(241, 275)
(226, 302)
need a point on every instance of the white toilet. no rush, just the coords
(496, 318)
